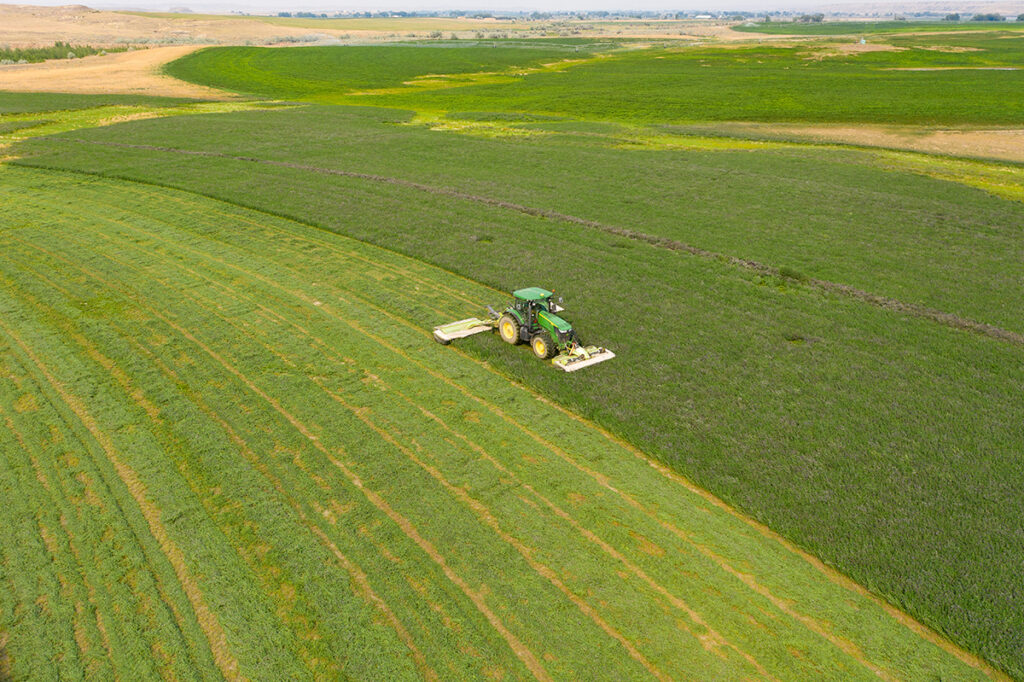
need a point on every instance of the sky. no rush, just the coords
(268, 6)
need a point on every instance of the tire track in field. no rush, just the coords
(885, 302)
(712, 640)
(476, 596)
(207, 619)
(426, 671)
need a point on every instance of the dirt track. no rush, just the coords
(127, 73)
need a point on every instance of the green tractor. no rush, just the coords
(531, 318)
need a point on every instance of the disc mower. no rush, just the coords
(531, 318)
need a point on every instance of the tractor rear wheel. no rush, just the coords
(508, 327)
(542, 346)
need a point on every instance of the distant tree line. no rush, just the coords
(59, 50)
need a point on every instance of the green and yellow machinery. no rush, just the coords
(531, 318)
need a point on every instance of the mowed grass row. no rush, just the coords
(818, 414)
(346, 496)
(654, 85)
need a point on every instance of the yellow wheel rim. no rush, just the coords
(506, 330)
(538, 347)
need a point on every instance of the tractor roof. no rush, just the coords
(531, 294)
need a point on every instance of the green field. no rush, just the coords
(35, 102)
(217, 371)
(759, 83)
(834, 28)
(279, 476)
(317, 72)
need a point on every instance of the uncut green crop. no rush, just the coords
(759, 83)
(303, 72)
(33, 102)
(816, 413)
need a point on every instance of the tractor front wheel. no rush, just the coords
(542, 346)
(508, 327)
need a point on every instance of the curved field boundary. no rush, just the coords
(265, 317)
(884, 302)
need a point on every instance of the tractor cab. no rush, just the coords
(532, 318)
(532, 300)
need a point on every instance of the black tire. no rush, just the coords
(508, 327)
(542, 346)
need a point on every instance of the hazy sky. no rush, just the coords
(411, 5)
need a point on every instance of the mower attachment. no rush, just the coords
(580, 357)
(446, 333)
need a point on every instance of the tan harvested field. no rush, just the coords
(1005, 144)
(122, 73)
(30, 26)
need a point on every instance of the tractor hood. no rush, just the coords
(555, 321)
